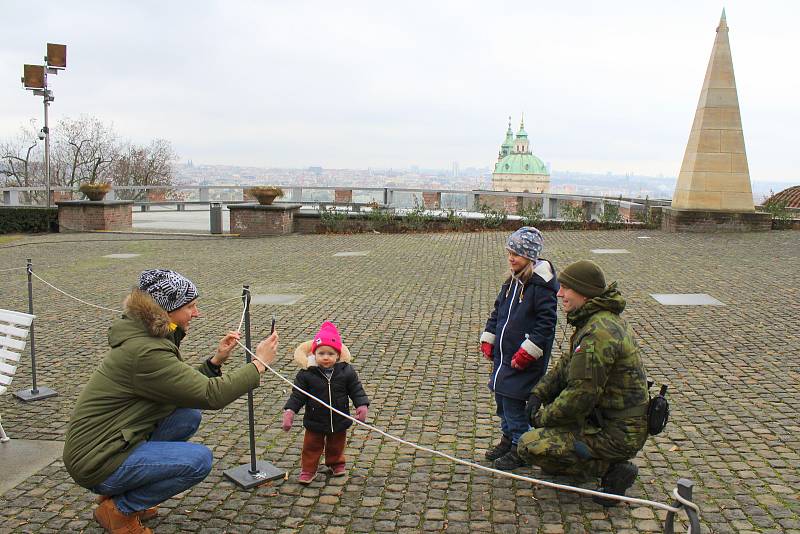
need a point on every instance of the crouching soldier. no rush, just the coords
(589, 412)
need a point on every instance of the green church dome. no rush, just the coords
(520, 164)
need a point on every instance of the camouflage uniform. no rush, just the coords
(594, 400)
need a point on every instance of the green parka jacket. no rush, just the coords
(141, 380)
(602, 381)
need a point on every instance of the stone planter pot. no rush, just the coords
(95, 192)
(264, 194)
(264, 199)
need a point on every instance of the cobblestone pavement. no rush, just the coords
(411, 312)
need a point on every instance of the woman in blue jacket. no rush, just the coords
(518, 338)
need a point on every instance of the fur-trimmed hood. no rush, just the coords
(140, 306)
(305, 359)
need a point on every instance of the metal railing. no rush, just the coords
(183, 196)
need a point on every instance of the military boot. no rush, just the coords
(500, 449)
(617, 480)
(509, 461)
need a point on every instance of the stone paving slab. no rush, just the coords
(686, 299)
(411, 313)
(22, 458)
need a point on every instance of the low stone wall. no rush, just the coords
(675, 220)
(311, 223)
(254, 220)
(791, 224)
(91, 216)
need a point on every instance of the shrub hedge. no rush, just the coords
(28, 220)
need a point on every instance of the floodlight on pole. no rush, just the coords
(34, 78)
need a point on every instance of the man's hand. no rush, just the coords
(225, 348)
(266, 352)
(532, 407)
(487, 349)
(361, 413)
(536, 421)
(288, 419)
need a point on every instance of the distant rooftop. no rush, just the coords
(791, 195)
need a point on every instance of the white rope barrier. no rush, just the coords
(12, 269)
(214, 303)
(73, 296)
(474, 465)
(685, 502)
(544, 483)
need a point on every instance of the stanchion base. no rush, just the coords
(242, 477)
(41, 393)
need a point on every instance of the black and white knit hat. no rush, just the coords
(170, 289)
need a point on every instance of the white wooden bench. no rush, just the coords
(14, 328)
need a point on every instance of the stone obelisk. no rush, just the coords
(714, 175)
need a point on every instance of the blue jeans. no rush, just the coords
(513, 420)
(161, 467)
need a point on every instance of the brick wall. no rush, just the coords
(714, 222)
(512, 204)
(253, 221)
(432, 200)
(85, 216)
(343, 196)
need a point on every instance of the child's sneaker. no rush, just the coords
(339, 470)
(306, 477)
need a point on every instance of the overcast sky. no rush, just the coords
(605, 86)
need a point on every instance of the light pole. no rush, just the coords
(34, 77)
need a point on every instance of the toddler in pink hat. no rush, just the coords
(326, 373)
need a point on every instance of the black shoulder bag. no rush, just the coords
(658, 412)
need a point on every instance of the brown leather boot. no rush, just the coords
(144, 515)
(115, 522)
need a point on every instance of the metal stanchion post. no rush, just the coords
(257, 471)
(35, 393)
(685, 491)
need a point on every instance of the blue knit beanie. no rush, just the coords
(526, 242)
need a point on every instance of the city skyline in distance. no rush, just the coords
(470, 178)
(603, 88)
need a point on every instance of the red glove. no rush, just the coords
(521, 359)
(288, 419)
(361, 413)
(487, 349)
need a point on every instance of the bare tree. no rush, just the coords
(18, 159)
(140, 165)
(83, 150)
(21, 162)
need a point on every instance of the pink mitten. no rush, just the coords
(361, 413)
(288, 419)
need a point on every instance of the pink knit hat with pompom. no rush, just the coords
(328, 336)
